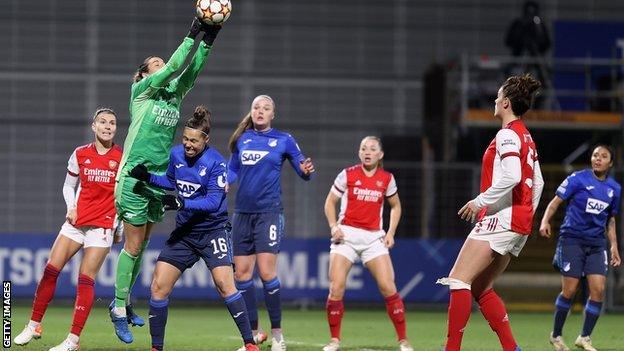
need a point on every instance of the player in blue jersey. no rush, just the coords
(593, 202)
(258, 153)
(199, 174)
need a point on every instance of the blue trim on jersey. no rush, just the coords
(257, 164)
(591, 202)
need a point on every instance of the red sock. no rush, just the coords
(459, 309)
(335, 311)
(84, 301)
(396, 312)
(493, 309)
(45, 292)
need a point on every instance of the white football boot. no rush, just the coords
(28, 334)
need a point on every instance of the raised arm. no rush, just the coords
(186, 81)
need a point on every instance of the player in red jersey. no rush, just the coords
(511, 186)
(358, 234)
(90, 224)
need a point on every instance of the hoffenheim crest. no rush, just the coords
(202, 171)
(610, 193)
(272, 142)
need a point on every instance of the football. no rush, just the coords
(214, 11)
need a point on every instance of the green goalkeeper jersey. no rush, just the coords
(155, 109)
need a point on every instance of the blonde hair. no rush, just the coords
(246, 122)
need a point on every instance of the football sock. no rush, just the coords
(158, 312)
(592, 312)
(84, 302)
(45, 292)
(248, 290)
(460, 305)
(236, 305)
(136, 269)
(493, 309)
(335, 311)
(125, 267)
(396, 312)
(562, 307)
(273, 302)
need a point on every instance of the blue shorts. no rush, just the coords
(578, 260)
(257, 232)
(183, 251)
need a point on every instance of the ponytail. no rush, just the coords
(143, 68)
(245, 123)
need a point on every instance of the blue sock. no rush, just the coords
(273, 302)
(562, 307)
(236, 305)
(592, 312)
(157, 321)
(248, 290)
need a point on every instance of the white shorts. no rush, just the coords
(88, 236)
(501, 240)
(360, 244)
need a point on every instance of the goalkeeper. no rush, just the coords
(155, 98)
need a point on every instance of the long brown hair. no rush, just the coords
(520, 90)
(143, 68)
(246, 123)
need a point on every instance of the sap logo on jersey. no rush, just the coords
(187, 189)
(251, 157)
(595, 206)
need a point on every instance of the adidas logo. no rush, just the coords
(506, 318)
(357, 182)
(87, 162)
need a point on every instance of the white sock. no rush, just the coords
(73, 338)
(33, 325)
(119, 311)
(277, 334)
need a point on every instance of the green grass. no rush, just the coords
(211, 328)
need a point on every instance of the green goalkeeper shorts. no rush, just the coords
(137, 202)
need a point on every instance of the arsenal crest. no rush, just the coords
(112, 164)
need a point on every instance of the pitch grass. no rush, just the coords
(211, 328)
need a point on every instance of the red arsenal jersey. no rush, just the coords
(95, 205)
(514, 210)
(362, 197)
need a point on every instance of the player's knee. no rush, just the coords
(596, 292)
(267, 275)
(387, 289)
(159, 291)
(132, 249)
(336, 290)
(224, 287)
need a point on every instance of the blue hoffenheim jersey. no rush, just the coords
(591, 202)
(201, 182)
(257, 164)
